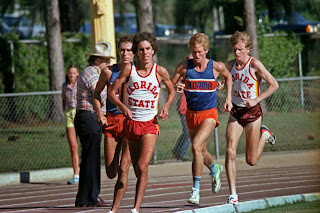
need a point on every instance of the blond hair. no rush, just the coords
(200, 38)
(241, 37)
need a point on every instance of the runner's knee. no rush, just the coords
(251, 161)
(230, 154)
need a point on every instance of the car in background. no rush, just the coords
(293, 22)
(4, 28)
(23, 26)
(127, 24)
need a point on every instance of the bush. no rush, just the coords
(31, 62)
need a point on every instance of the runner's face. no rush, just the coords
(145, 52)
(125, 52)
(240, 51)
(198, 53)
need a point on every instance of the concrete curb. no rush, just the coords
(35, 176)
(256, 204)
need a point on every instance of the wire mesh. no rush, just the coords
(32, 134)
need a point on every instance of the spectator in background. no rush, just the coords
(87, 128)
(181, 147)
(69, 104)
(182, 144)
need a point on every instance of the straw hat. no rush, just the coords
(102, 49)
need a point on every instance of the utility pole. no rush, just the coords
(102, 23)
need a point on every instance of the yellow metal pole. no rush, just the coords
(102, 23)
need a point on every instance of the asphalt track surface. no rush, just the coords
(170, 185)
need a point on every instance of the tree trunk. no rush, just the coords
(56, 64)
(144, 16)
(251, 25)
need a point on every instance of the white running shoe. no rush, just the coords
(194, 196)
(134, 211)
(233, 199)
(271, 137)
(110, 211)
(215, 179)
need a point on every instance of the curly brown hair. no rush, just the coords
(144, 36)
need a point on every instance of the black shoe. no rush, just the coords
(101, 203)
(79, 205)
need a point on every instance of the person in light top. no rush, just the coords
(246, 114)
(139, 104)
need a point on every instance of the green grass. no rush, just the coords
(299, 207)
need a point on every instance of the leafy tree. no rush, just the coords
(195, 13)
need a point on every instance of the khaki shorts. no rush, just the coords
(69, 117)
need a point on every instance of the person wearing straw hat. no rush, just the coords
(87, 128)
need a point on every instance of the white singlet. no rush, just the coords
(141, 94)
(244, 86)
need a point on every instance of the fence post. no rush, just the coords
(301, 75)
(12, 64)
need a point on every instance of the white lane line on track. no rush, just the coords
(179, 183)
(166, 194)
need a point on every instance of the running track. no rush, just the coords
(166, 193)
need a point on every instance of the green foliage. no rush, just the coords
(31, 62)
(31, 67)
(75, 52)
(6, 75)
(278, 52)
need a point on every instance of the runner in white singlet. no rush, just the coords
(247, 73)
(141, 95)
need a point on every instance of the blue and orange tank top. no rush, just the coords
(200, 88)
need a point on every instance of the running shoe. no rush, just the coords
(74, 180)
(271, 137)
(194, 196)
(215, 179)
(134, 211)
(233, 199)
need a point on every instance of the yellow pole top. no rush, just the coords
(102, 23)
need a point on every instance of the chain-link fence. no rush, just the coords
(33, 135)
